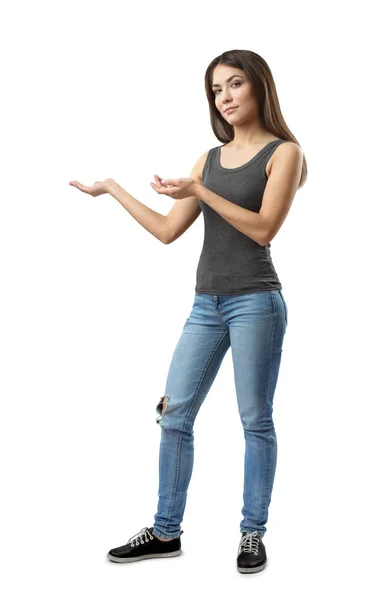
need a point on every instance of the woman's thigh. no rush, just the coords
(195, 363)
(257, 323)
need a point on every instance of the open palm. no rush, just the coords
(97, 189)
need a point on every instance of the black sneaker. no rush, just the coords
(251, 556)
(145, 545)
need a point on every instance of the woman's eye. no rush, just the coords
(234, 83)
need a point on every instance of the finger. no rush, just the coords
(162, 182)
(157, 180)
(80, 186)
(159, 189)
(163, 190)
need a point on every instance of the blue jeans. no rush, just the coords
(254, 325)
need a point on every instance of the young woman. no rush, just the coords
(245, 188)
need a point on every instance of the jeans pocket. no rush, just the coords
(285, 307)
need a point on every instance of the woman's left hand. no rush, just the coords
(175, 188)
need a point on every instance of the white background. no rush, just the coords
(92, 305)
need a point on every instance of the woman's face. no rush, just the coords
(236, 92)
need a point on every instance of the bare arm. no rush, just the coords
(184, 212)
(148, 218)
(165, 228)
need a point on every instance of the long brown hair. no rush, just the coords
(261, 78)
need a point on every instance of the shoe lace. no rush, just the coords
(249, 543)
(138, 537)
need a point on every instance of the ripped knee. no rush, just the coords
(161, 408)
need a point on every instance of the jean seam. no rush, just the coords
(285, 307)
(268, 376)
(187, 416)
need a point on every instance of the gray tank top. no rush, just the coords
(230, 262)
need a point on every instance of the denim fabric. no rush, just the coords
(253, 325)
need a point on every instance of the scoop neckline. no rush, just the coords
(249, 162)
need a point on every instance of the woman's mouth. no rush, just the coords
(230, 110)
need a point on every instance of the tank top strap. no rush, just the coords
(270, 148)
(208, 162)
(266, 154)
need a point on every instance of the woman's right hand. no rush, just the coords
(97, 189)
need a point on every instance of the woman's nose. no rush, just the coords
(227, 97)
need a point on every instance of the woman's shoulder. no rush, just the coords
(199, 165)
